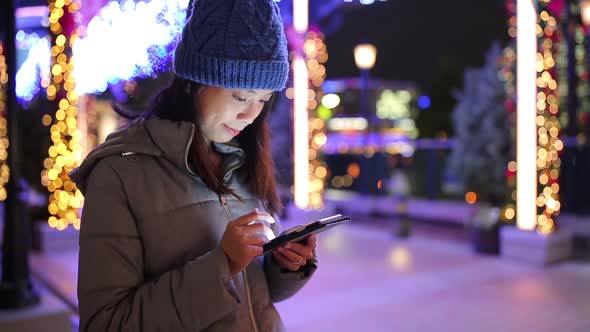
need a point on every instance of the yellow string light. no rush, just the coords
(549, 144)
(65, 153)
(316, 55)
(4, 170)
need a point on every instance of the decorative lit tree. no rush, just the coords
(482, 150)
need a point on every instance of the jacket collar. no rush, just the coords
(174, 139)
(160, 138)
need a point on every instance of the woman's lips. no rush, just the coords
(231, 130)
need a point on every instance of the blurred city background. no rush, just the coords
(405, 118)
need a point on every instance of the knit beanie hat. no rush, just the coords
(234, 44)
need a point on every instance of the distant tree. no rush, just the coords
(482, 131)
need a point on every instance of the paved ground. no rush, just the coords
(371, 281)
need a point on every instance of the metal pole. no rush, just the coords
(16, 289)
(569, 155)
(572, 77)
(366, 164)
(366, 107)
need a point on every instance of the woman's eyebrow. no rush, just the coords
(254, 92)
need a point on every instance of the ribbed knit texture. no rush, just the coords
(234, 44)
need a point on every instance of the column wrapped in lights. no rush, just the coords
(548, 127)
(4, 170)
(65, 153)
(526, 180)
(300, 112)
(309, 130)
(316, 54)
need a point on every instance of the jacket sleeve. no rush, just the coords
(282, 283)
(114, 294)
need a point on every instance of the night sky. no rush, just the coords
(418, 39)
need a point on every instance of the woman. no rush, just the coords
(173, 223)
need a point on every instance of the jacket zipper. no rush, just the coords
(244, 275)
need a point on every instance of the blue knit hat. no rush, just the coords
(234, 44)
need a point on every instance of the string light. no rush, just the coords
(507, 75)
(4, 170)
(65, 153)
(549, 144)
(316, 55)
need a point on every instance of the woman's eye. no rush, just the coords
(240, 99)
(263, 102)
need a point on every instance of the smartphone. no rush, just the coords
(301, 232)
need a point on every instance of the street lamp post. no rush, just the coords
(364, 57)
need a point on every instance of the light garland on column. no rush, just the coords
(317, 55)
(507, 74)
(65, 153)
(4, 170)
(549, 144)
(548, 126)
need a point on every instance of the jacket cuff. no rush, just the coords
(212, 269)
(284, 283)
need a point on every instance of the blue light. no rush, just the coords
(365, 2)
(127, 40)
(424, 102)
(20, 36)
(122, 42)
(35, 67)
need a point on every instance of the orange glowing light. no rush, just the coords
(471, 197)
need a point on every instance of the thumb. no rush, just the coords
(245, 219)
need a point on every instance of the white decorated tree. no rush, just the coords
(482, 132)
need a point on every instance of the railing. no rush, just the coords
(424, 167)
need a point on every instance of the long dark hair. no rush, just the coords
(176, 103)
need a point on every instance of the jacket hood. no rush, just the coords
(156, 137)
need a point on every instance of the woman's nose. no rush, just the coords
(250, 113)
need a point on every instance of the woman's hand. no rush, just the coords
(242, 240)
(293, 255)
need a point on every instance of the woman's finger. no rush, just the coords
(251, 229)
(284, 261)
(312, 241)
(263, 216)
(254, 240)
(245, 219)
(300, 249)
(254, 251)
(294, 257)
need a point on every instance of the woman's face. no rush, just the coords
(223, 113)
